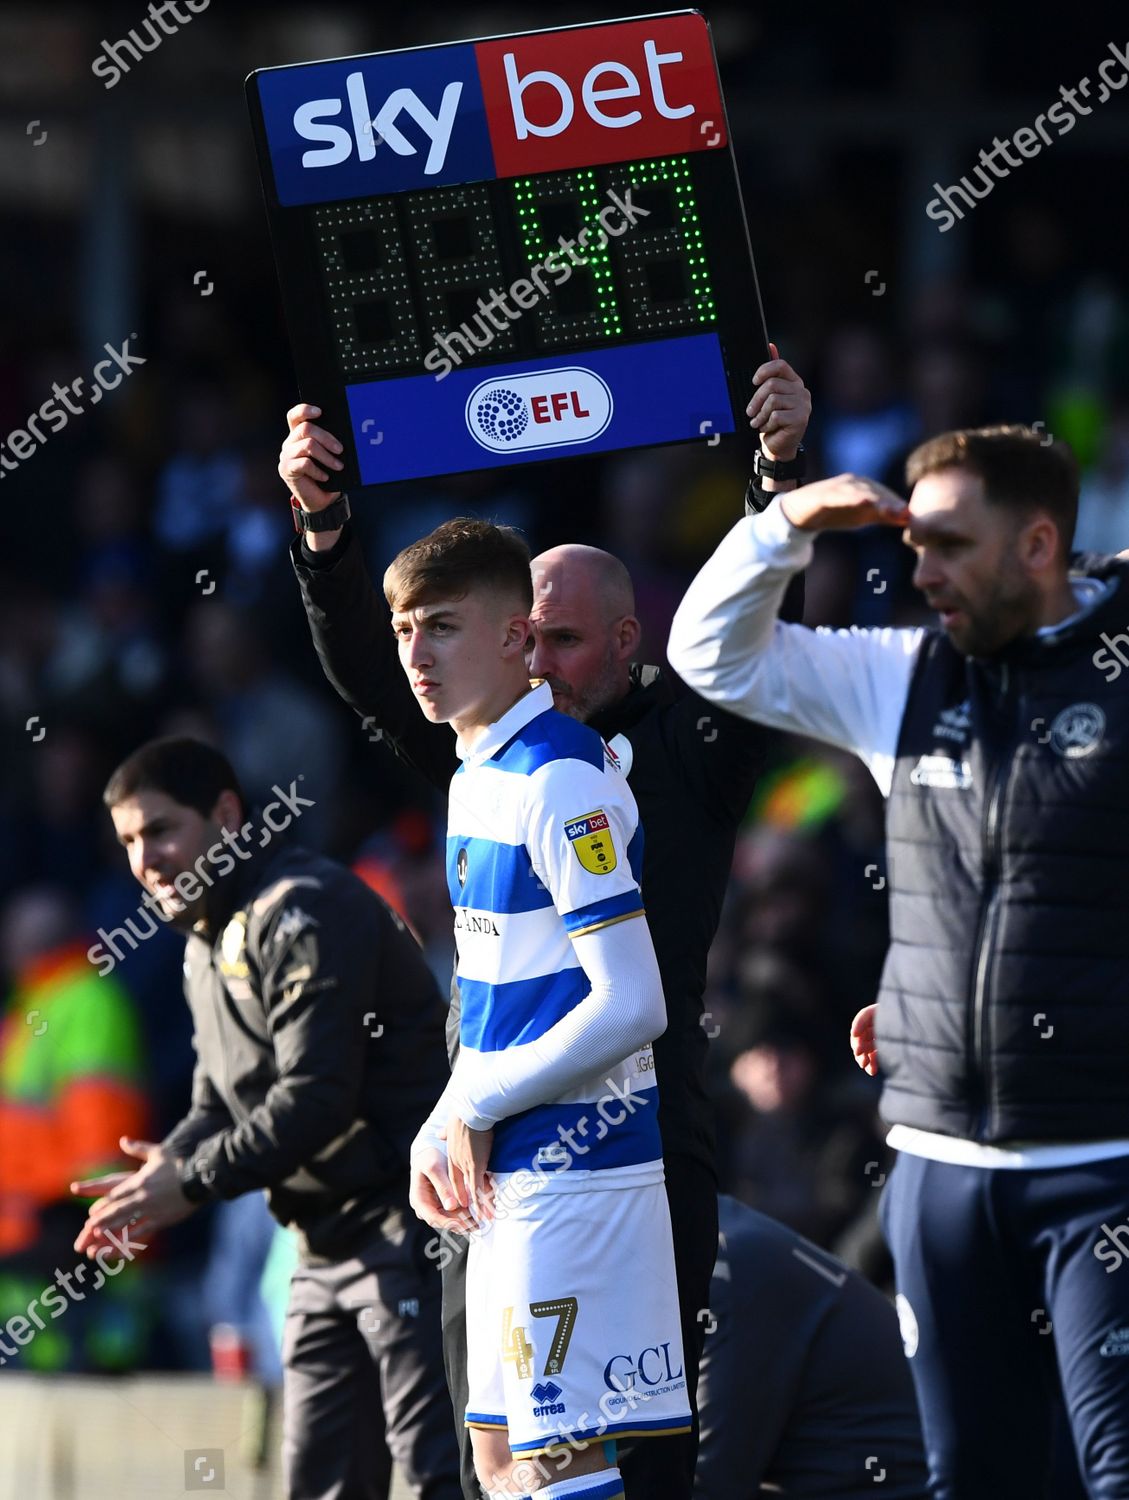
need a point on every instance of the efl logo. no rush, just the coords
(544, 409)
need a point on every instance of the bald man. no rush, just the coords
(692, 770)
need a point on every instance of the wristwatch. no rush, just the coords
(329, 519)
(780, 468)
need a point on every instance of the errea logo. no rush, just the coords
(547, 1395)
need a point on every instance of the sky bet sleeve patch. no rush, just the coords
(591, 839)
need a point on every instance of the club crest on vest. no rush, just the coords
(1077, 730)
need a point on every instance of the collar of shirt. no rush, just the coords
(537, 701)
(649, 690)
(1089, 593)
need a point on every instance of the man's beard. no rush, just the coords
(598, 696)
(1006, 617)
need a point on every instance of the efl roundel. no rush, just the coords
(591, 840)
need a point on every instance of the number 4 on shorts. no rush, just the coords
(515, 1346)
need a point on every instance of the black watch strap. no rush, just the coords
(330, 519)
(780, 468)
(758, 499)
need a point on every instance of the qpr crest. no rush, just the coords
(1077, 730)
(461, 866)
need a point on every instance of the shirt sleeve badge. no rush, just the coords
(591, 840)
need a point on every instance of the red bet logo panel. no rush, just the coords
(600, 94)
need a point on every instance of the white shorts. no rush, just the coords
(573, 1331)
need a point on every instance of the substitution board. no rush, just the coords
(520, 248)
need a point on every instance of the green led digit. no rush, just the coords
(578, 302)
(666, 275)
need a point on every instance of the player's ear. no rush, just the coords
(628, 634)
(227, 813)
(519, 632)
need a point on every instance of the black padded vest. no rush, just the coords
(1004, 1003)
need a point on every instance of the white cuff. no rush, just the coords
(778, 542)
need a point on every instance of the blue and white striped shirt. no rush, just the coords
(544, 845)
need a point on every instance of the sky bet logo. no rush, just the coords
(545, 409)
(396, 121)
(311, 121)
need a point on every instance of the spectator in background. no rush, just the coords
(864, 421)
(866, 424)
(270, 724)
(198, 488)
(798, 1143)
(52, 828)
(1103, 502)
(71, 1075)
(639, 503)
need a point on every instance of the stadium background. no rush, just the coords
(146, 586)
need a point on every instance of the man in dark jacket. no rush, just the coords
(692, 771)
(318, 1031)
(1001, 741)
(804, 1389)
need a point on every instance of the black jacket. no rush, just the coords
(693, 770)
(804, 1388)
(319, 1041)
(1004, 1006)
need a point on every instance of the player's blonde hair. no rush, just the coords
(459, 556)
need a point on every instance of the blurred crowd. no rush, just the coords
(147, 590)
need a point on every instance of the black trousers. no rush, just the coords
(659, 1468)
(363, 1374)
(1015, 1305)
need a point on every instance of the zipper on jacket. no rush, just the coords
(219, 988)
(998, 778)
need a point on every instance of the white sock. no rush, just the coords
(606, 1485)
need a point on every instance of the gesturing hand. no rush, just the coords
(843, 503)
(149, 1198)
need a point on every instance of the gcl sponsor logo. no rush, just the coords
(545, 409)
(650, 1369)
